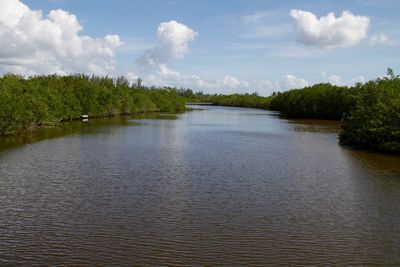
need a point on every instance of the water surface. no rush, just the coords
(219, 186)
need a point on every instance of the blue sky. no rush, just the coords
(215, 46)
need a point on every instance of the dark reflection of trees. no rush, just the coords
(93, 126)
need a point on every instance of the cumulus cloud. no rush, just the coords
(287, 82)
(381, 39)
(292, 82)
(329, 31)
(168, 73)
(359, 79)
(33, 44)
(165, 76)
(333, 79)
(132, 77)
(230, 82)
(174, 38)
(337, 80)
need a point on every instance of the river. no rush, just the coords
(219, 186)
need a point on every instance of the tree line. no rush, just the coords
(31, 102)
(234, 100)
(370, 112)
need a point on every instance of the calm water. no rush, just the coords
(221, 186)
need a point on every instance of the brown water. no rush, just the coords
(221, 186)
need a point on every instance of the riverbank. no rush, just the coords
(370, 112)
(67, 128)
(28, 103)
(223, 181)
(64, 123)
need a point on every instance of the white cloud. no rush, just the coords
(359, 79)
(266, 87)
(167, 73)
(230, 82)
(132, 77)
(333, 79)
(165, 76)
(174, 38)
(292, 82)
(337, 80)
(287, 82)
(329, 31)
(33, 44)
(381, 39)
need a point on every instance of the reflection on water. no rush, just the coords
(318, 126)
(74, 127)
(218, 186)
(80, 127)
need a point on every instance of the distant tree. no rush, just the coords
(139, 82)
(390, 74)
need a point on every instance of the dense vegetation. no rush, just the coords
(234, 100)
(39, 100)
(374, 120)
(370, 112)
(240, 100)
(320, 101)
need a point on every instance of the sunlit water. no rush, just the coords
(221, 186)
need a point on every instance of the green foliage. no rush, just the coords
(164, 103)
(370, 112)
(241, 100)
(27, 103)
(374, 120)
(320, 101)
(234, 100)
(191, 96)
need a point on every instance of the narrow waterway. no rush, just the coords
(218, 186)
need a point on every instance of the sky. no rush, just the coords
(224, 46)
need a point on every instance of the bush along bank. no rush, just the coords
(26, 103)
(374, 120)
(370, 112)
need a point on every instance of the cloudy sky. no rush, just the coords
(214, 46)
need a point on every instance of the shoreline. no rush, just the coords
(50, 125)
